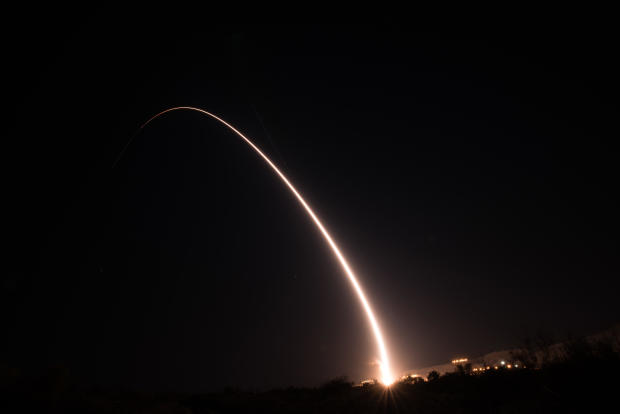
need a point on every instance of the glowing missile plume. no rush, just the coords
(386, 375)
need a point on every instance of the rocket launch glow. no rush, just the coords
(386, 374)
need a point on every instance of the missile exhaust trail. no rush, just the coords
(386, 374)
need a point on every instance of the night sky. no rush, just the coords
(469, 175)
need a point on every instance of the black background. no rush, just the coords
(469, 174)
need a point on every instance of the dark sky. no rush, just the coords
(469, 174)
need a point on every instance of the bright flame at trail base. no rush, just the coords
(386, 374)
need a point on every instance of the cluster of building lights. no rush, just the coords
(412, 376)
(502, 364)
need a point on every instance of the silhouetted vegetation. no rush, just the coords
(576, 375)
(433, 375)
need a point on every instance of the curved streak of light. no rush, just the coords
(387, 377)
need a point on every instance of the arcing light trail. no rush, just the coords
(386, 374)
